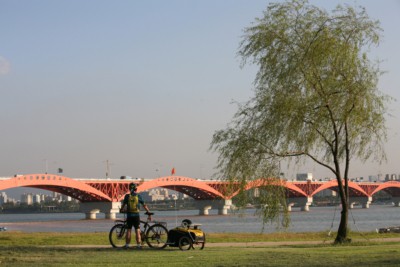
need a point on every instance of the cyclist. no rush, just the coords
(131, 204)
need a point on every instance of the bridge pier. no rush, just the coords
(289, 206)
(110, 209)
(223, 206)
(364, 201)
(204, 210)
(396, 201)
(303, 202)
(205, 205)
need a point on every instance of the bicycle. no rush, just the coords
(154, 233)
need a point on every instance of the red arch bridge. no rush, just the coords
(105, 195)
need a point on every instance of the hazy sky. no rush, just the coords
(142, 84)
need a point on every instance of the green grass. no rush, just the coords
(51, 249)
(41, 239)
(371, 255)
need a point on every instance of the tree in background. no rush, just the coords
(316, 97)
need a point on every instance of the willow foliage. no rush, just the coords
(316, 96)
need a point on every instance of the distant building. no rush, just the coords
(390, 177)
(27, 198)
(304, 177)
(3, 198)
(380, 178)
(256, 192)
(326, 193)
(160, 194)
(36, 198)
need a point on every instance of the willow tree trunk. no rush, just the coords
(342, 233)
(343, 230)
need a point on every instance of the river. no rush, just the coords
(317, 219)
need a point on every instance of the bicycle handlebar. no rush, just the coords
(146, 213)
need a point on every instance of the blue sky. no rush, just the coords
(142, 84)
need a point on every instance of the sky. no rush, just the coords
(137, 88)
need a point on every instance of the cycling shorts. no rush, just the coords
(133, 221)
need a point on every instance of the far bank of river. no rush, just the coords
(316, 220)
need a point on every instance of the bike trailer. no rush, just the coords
(174, 235)
(186, 236)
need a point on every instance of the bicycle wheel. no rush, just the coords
(117, 236)
(200, 244)
(185, 243)
(157, 236)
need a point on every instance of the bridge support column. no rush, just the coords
(364, 201)
(289, 206)
(396, 201)
(303, 202)
(205, 205)
(110, 209)
(91, 215)
(223, 206)
(111, 212)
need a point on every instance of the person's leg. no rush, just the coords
(128, 232)
(138, 237)
(128, 237)
(136, 225)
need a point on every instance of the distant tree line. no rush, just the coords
(44, 207)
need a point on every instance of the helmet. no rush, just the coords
(132, 187)
(186, 223)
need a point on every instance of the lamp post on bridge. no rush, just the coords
(46, 165)
(108, 168)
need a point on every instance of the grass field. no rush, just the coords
(93, 249)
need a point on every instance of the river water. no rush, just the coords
(317, 219)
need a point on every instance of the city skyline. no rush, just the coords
(138, 88)
(32, 197)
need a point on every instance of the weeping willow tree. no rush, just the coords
(316, 97)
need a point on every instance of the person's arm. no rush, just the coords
(146, 208)
(124, 206)
(147, 211)
(142, 203)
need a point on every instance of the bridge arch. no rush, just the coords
(189, 186)
(355, 189)
(390, 187)
(56, 183)
(292, 188)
